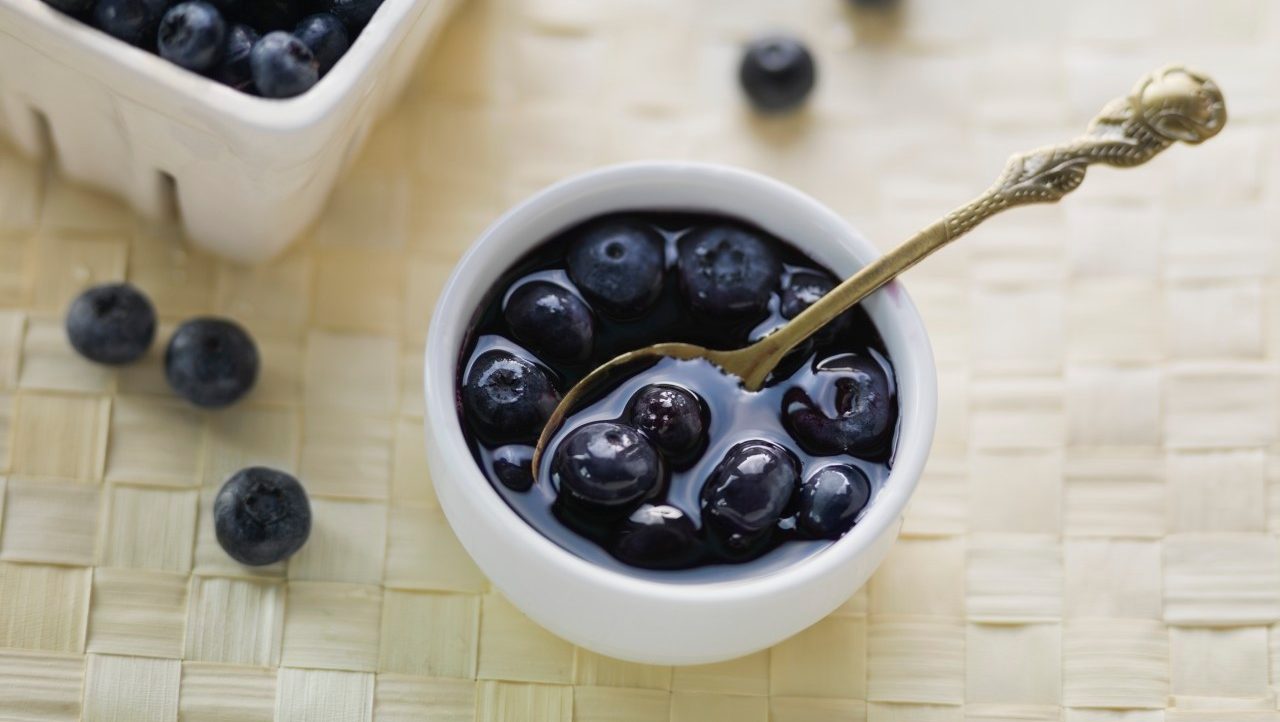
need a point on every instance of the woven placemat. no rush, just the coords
(1094, 540)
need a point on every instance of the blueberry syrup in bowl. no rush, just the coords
(674, 469)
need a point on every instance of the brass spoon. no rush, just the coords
(1172, 104)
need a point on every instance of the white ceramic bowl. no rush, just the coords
(642, 617)
(248, 174)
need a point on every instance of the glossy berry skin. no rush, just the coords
(801, 290)
(282, 66)
(605, 468)
(658, 537)
(618, 266)
(234, 69)
(748, 491)
(355, 14)
(114, 323)
(673, 418)
(261, 516)
(192, 35)
(864, 405)
(727, 271)
(551, 321)
(830, 500)
(777, 73)
(133, 21)
(71, 7)
(513, 465)
(211, 362)
(507, 398)
(326, 37)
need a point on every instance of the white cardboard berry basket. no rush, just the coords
(247, 174)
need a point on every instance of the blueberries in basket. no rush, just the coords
(234, 69)
(193, 35)
(261, 516)
(605, 468)
(282, 66)
(513, 465)
(728, 271)
(325, 36)
(865, 410)
(71, 7)
(211, 362)
(507, 398)
(268, 15)
(658, 537)
(673, 418)
(748, 491)
(551, 321)
(777, 73)
(133, 21)
(111, 324)
(618, 266)
(355, 14)
(830, 500)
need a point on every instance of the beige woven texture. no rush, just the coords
(1094, 539)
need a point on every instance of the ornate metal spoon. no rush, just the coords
(1170, 105)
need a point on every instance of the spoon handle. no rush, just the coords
(1169, 105)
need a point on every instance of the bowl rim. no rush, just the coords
(218, 104)
(484, 261)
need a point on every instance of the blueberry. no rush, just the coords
(234, 69)
(112, 324)
(551, 321)
(355, 14)
(618, 265)
(71, 7)
(727, 270)
(193, 35)
(658, 537)
(325, 35)
(777, 73)
(605, 468)
(133, 21)
(211, 362)
(748, 491)
(513, 465)
(864, 408)
(507, 399)
(673, 418)
(268, 15)
(282, 66)
(261, 516)
(830, 500)
(802, 289)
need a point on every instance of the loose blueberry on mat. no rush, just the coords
(864, 406)
(211, 362)
(830, 500)
(133, 21)
(508, 398)
(326, 36)
(673, 418)
(551, 321)
(111, 324)
(193, 35)
(282, 66)
(234, 69)
(748, 491)
(658, 537)
(777, 73)
(261, 516)
(605, 468)
(513, 465)
(727, 270)
(618, 266)
(355, 14)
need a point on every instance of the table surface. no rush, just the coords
(1094, 539)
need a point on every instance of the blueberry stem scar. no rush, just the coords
(1169, 105)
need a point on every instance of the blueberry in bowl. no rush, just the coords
(673, 497)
